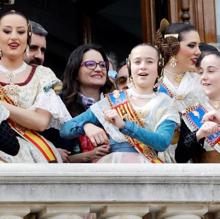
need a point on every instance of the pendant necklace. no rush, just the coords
(12, 89)
(177, 77)
(10, 74)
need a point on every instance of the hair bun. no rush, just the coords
(164, 23)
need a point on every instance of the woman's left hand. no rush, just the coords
(113, 117)
(96, 134)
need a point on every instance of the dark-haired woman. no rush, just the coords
(179, 47)
(27, 94)
(84, 83)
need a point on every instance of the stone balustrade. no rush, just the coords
(110, 191)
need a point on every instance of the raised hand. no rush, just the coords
(113, 117)
(207, 129)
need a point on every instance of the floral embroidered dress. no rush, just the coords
(36, 92)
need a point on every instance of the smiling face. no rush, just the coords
(13, 35)
(210, 79)
(189, 51)
(144, 67)
(92, 78)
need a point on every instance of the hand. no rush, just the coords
(64, 154)
(100, 151)
(113, 117)
(207, 129)
(96, 134)
(213, 116)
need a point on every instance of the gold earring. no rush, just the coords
(161, 61)
(1, 54)
(173, 61)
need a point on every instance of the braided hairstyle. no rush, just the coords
(168, 38)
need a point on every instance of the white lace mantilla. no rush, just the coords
(188, 93)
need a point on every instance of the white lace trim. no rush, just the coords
(52, 103)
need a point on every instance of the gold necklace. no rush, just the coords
(10, 74)
(177, 77)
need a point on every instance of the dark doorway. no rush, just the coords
(115, 24)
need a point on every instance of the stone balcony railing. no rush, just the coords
(113, 191)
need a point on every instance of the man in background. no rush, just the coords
(35, 53)
(35, 56)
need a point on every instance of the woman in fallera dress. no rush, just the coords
(178, 44)
(27, 93)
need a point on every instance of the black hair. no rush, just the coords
(207, 53)
(70, 82)
(205, 48)
(38, 29)
(180, 29)
(168, 41)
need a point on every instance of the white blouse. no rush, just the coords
(32, 94)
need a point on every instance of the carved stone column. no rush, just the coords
(183, 212)
(64, 212)
(13, 212)
(123, 211)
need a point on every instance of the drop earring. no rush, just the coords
(173, 61)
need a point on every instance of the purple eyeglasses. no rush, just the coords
(90, 64)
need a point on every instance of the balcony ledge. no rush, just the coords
(83, 183)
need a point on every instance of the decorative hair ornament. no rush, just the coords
(168, 44)
(160, 33)
(176, 35)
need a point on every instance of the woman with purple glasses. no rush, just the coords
(84, 82)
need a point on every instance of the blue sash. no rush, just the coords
(164, 89)
(194, 116)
